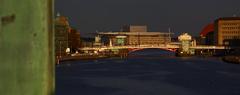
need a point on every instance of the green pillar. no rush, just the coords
(26, 47)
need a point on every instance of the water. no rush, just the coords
(149, 72)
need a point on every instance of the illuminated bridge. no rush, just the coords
(169, 47)
(185, 43)
(146, 40)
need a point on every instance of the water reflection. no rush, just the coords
(149, 72)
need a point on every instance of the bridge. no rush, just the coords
(117, 41)
(130, 47)
(169, 47)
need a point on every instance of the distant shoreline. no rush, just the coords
(232, 59)
(80, 57)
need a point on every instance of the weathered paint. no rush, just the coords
(26, 47)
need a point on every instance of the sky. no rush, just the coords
(89, 16)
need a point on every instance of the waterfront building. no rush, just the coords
(134, 28)
(62, 29)
(227, 31)
(186, 42)
(97, 41)
(74, 40)
(207, 35)
(137, 35)
(87, 42)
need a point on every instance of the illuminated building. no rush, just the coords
(227, 31)
(62, 29)
(137, 35)
(186, 43)
(185, 40)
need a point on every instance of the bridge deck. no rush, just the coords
(150, 46)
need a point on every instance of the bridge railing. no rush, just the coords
(131, 46)
(163, 46)
(207, 47)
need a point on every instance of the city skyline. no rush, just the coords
(43, 53)
(107, 15)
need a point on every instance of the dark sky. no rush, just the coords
(180, 15)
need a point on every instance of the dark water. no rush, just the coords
(149, 72)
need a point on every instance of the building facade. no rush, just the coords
(67, 39)
(207, 35)
(148, 38)
(134, 28)
(62, 29)
(137, 35)
(227, 31)
(74, 40)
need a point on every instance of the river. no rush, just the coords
(148, 72)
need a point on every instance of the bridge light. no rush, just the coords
(68, 50)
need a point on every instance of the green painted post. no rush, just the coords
(26, 47)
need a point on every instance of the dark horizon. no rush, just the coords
(107, 15)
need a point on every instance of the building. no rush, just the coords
(87, 42)
(137, 35)
(66, 38)
(186, 43)
(227, 31)
(207, 35)
(62, 30)
(74, 40)
(134, 28)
